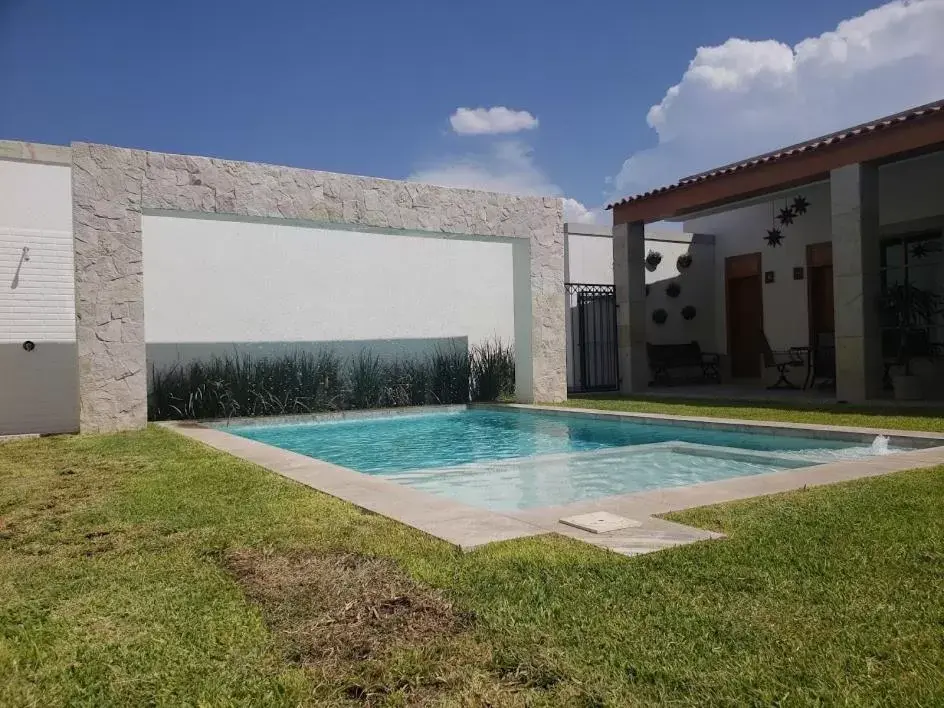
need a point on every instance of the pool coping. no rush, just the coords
(356, 414)
(464, 526)
(850, 433)
(468, 527)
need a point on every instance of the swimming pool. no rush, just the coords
(518, 459)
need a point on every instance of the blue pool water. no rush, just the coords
(514, 459)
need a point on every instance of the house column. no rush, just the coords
(629, 279)
(855, 232)
(524, 321)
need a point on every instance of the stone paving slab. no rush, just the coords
(653, 534)
(17, 437)
(599, 522)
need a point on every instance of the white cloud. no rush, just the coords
(489, 121)
(577, 213)
(508, 166)
(748, 97)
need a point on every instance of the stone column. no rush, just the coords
(538, 265)
(109, 287)
(521, 289)
(629, 278)
(855, 236)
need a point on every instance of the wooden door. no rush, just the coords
(819, 260)
(745, 314)
(822, 317)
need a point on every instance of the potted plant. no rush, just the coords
(683, 261)
(907, 312)
(653, 259)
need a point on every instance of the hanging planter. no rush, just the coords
(653, 259)
(689, 312)
(684, 261)
(660, 316)
(673, 289)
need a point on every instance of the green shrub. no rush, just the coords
(449, 376)
(493, 371)
(238, 384)
(367, 381)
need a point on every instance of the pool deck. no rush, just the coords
(470, 527)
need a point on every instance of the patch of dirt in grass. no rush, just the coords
(343, 607)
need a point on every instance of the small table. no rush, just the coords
(812, 354)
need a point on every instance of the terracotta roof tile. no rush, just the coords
(784, 153)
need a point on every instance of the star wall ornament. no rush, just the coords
(925, 248)
(774, 237)
(800, 205)
(786, 216)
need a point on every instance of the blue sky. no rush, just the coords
(369, 87)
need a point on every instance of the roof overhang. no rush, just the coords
(896, 138)
(765, 198)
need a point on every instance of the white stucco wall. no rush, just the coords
(742, 231)
(589, 259)
(38, 389)
(213, 283)
(909, 193)
(697, 289)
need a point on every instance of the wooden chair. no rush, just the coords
(782, 361)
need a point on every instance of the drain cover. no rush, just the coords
(599, 522)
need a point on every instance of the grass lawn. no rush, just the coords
(142, 568)
(898, 418)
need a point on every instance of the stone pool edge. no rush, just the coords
(648, 506)
(904, 438)
(463, 526)
(468, 527)
(302, 418)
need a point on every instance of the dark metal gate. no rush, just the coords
(592, 348)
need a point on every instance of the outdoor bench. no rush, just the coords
(663, 358)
